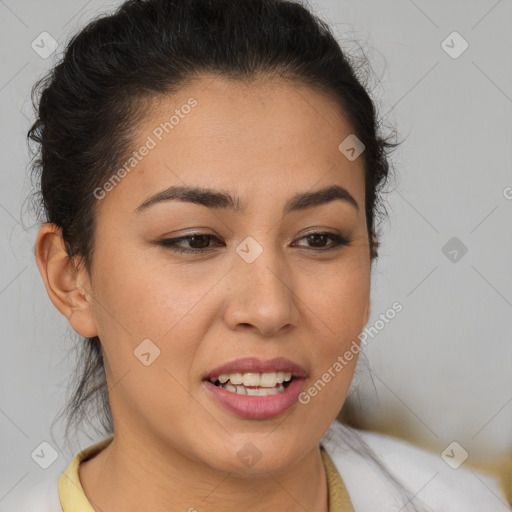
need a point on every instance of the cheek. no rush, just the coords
(341, 306)
(340, 298)
(143, 296)
(149, 340)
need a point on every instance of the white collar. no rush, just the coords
(424, 476)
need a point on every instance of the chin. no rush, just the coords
(255, 454)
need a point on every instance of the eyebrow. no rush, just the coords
(218, 199)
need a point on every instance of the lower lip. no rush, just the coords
(257, 407)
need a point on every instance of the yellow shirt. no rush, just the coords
(73, 499)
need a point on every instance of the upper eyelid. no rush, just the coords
(211, 235)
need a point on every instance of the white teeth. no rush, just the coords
(268, 380)
(235, 378)
(253, 384)
(283, 377)
(252, 379)
(252, 391)
(241, 390)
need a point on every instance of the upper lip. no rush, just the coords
(255, 365)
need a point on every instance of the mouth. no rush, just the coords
(252, 388)
(254, 384)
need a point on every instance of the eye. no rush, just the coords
(318, 240)
(198, 243)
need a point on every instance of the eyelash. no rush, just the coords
(171, 243)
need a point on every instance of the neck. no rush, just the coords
(128, 477)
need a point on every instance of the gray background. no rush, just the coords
(442, 368)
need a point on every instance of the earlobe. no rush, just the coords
(66, 285)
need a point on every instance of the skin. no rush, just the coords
(263, 141)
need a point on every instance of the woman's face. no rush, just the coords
(271, 282)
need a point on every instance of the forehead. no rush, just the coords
(253, 138)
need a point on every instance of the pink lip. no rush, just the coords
(255, 365)
(257, 407)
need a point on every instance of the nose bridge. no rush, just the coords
(262, 293)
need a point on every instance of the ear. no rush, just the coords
(68, 287)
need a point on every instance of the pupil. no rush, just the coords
(316, 238)
(194, 239)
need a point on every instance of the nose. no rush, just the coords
(260, 295)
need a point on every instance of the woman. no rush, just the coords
(210, 176)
